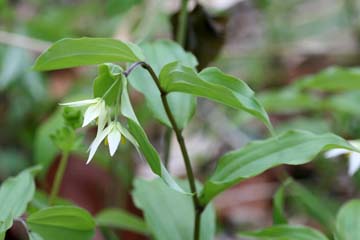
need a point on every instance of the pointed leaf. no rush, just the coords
(286, 232)
(169, 214)
(15, 194)
(74, 52)
(214, 85)
(348, 221)
(278, 205)
(118, 218)
(332, 79)
(62, 223)
(145, 146)
(293, 147)
(158, 54)
(108, 82)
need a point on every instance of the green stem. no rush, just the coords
(196, 202)
(167, 145)
(182, 23)
(58, 177)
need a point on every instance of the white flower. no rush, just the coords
(354, 157)
(114, 132)
(96, 109)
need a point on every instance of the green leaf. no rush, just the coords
(108, 82)
(286, 232)
(144, 145)
(213, 84)
(278, 205)
(118, 218)
(74, 52)
(293, 147)
(62, 223)
(35, 236)
(348, 221)
(15, 194)
(45, 150)
(158, 54)
(315, 206)
(332, 79)
(2, 235)
(289, 100)
(169, 214)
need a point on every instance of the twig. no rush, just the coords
(28, 43)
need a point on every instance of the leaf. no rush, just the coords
(144, 145)
(332, 79)
(108, 77)
(12, 66)
(293, 148)
(169, 214)
(74, 52)
(286, 232)
(62, 223)
(2, 235)
(289, 100)
(278, 205)
(348, 221)
(15, 194)
(45, 150)
(35, 236)
(118, 218)
(315, 206)
(158, 54)
(213, 84)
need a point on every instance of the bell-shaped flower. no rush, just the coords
(114, 133)
(354, 157)
(96, 110)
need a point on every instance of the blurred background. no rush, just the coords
(270, 44)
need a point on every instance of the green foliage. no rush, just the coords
(278, 205)
(15, 194)
(72, 117)
(65, 139)
(44, 148)
(74, 52)
(169, 214)
(213, 84)
(347, 221)
(293, 147)
(311, 203)
(62, 223)
(118, 218)
(108, 78)
(144, 145)
(286, 232)
(158, 54)
(333, 79)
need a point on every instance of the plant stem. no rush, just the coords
(182, 22)
(167, 145)
(58, 177)
(196, 202)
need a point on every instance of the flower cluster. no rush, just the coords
(108, 129)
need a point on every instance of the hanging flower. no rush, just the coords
(354, 157)
(96, 110)
(114, 133)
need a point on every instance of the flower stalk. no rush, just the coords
(198, 208)
(58, 177)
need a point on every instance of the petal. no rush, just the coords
(91, 113)
(335, 152)
(354, 163)
(80, 103)
(127, 135)
(114, 138)
(103, 115)
(96, 143)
